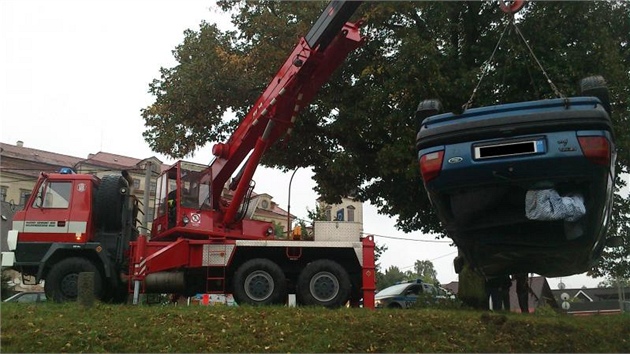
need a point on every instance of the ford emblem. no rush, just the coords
(456, 159)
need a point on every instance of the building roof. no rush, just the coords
(592, 294)
(117, 162)
(36, 157)
(273, 211)
(30, 154)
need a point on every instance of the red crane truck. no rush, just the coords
(200, 241)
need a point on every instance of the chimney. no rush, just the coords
(20, 143)
(90, 156)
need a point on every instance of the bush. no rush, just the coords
(430, 301)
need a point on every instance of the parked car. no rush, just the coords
(28, 297)
(523, 187)
(404, 295)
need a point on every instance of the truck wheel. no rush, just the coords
(62, 280)
(116, 293)
(109, 203)
(323, 283)
(596, 86)
(260, 282)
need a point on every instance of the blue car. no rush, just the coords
(522, 187)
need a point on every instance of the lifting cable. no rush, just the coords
(551, 84)
(510, 10)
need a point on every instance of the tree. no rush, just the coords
(391, 276)
(425, 271)
(378, 252)
(6, 288)
(359, 134)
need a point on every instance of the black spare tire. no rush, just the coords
(108, 204)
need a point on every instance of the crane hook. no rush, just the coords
(511, 6)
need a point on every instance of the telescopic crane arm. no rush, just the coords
(305, 71)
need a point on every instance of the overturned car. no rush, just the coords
(523, 187)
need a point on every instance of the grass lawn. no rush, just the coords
(50, 327)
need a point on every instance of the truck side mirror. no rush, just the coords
(39, 199)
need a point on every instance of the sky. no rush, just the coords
(75, 74)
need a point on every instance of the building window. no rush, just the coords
(24, 195)
(136, 183)
(265, 204)
(339, 215)
(3, 193)
(328, 214)
(350, 209)
(153, 187)
(150, 214)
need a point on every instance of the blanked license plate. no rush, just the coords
(509, 148)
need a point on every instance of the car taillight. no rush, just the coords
(596, 149)
(431, 165)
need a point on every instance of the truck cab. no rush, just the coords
(71, 223)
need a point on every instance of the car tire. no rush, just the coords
(109, 201)
(323, 283)
(260, 282)
(428, 108)
(596, 86)
(62, 281)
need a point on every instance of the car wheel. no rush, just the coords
(596, 86)
(428, 108)
(323, 283)
(394, 305)
(260, 282)
(62, 281)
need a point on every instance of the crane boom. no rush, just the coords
(294, 86)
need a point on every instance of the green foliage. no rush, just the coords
(50, 327)
(391, 276)
(472, 289)
(547, 311)
(378, 252)
(319, 214)
(6, 289)
(359, 135)
(426, 301)
(278, 230)
(615, 261)
(425, 271)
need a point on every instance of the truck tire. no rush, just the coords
(596, 86)
(108, 204)
(61, 282)
(116, 293)
(323, 283)
(260, 282)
